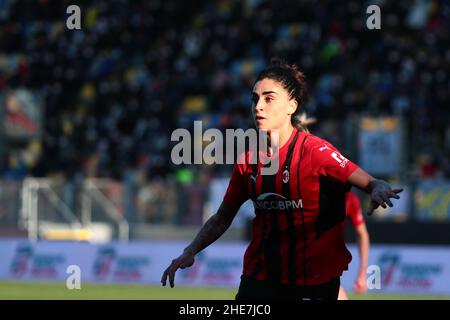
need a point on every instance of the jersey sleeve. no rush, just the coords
(328, 161)
(354, 210)
(237, 192)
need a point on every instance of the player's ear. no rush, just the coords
(293, 104)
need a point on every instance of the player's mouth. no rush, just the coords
(259, 119)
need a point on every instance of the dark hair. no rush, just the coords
(293, 80)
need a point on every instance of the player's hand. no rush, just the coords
(381, 191)
(360, 285)
(185, 260)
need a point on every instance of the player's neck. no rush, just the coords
(278, 138)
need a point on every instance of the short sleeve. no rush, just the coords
(237, 192)
(328, 161)
(353, 209)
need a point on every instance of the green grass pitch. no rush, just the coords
(56, 290)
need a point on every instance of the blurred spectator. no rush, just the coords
(115, 90)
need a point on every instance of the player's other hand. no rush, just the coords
(360, 285)
(380, 193)
(185, 260)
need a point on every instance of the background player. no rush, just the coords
(355, 215)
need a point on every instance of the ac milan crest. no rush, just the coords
(285, 176)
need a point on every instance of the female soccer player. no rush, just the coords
(297, 249)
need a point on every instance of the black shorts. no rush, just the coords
(251, 288)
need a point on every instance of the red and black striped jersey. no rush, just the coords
(297, 232)
(354, 210)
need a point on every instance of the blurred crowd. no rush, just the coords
(116, 89)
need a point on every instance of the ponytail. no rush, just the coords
(301, 121)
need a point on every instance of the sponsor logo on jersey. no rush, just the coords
(275, 201)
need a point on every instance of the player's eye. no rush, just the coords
(255, 99)
(268, 99)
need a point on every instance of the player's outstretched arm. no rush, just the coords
(210, 232)
(380, 191)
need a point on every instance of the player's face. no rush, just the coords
(271, 106)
